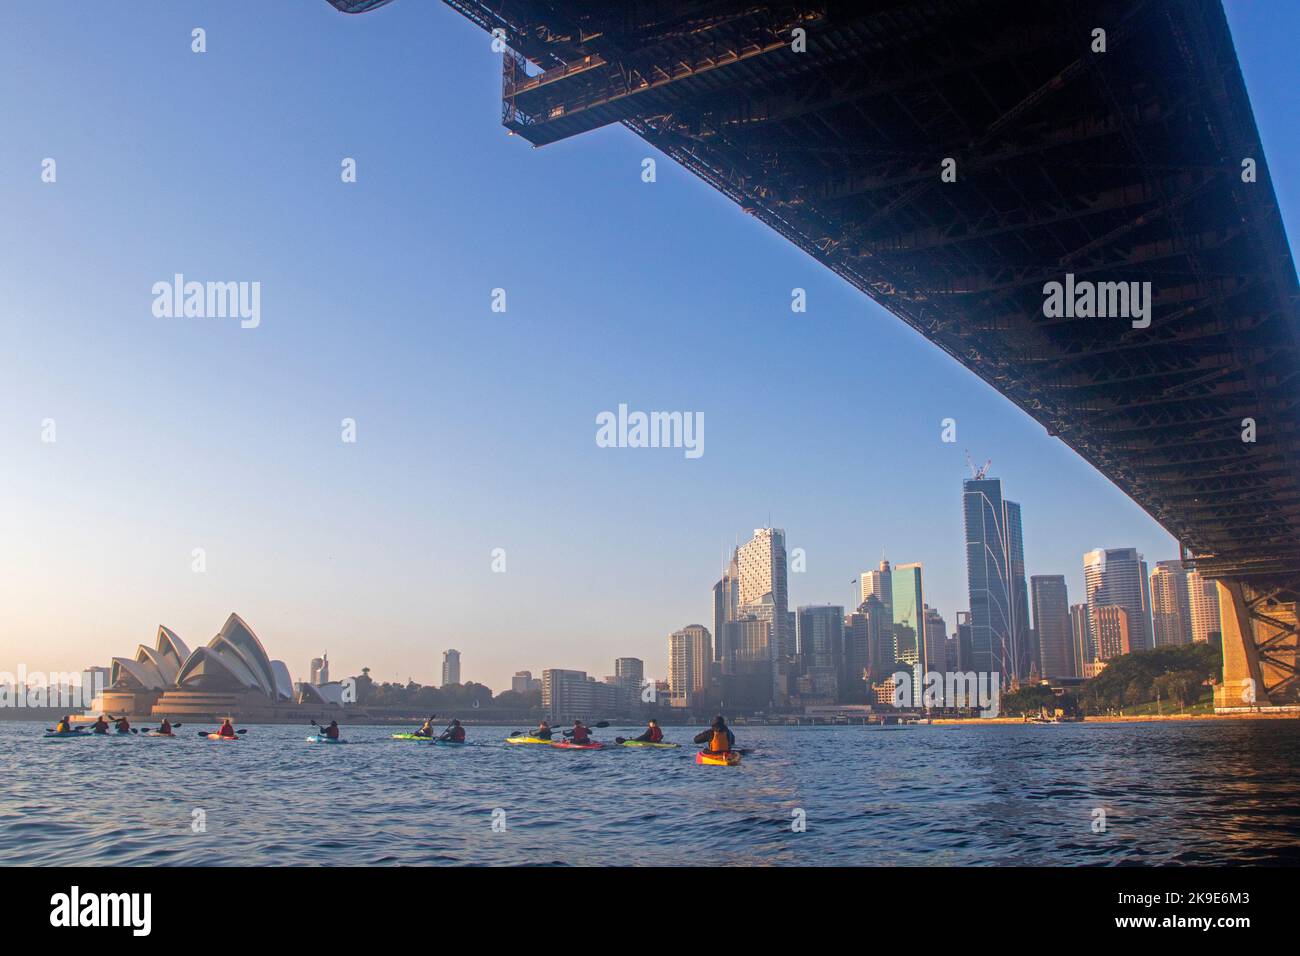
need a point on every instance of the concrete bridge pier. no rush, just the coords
(1260, 665)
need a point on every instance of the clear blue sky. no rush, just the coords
(476, 430)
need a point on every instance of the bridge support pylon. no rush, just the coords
(1259, 646)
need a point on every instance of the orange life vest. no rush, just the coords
(720, 743)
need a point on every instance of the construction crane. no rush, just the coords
(977, 473)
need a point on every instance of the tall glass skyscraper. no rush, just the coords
(1052, 624)
(995, 577)
(1118, 576)
(908, 592)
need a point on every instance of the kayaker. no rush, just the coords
(332, 731)
(123, 726)
(455, 733)
(64, 726)
(100, 726)
(426, 729)
(165, 727)
(653, 734)
(227, 729)
(580, 733)
(719, 736)
(544, 731)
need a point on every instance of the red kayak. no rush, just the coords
(569, 745)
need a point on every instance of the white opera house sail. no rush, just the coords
(230, 676)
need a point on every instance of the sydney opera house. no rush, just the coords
(231, 675)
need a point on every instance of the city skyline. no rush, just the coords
(382, 550)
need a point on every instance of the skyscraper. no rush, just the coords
(908, 592)
(877, 583)
(821, 648)
(450, 667)
(936, 641)
(1171, 611)
(1203, 602)
(761, 595)
(1082, 645)
(761, 565)
(862, 643)
(1114, 636)
(320, 670)
(1052, 624)
(690, 657)
(995, 575)
(1119, 576)
(725, 610)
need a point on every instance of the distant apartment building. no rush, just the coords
(1171, 611)
(320, 670)
(1203, 604)
(1112, 626)
(450, 667)
(1118, 576)
(1052, 625)
(525, 683)
(572, 695)
(630, 670)
(690, 661)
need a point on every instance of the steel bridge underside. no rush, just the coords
(1116, 166)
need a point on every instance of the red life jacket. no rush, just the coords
(226, 731)
(656, 735)
(580, 735)
(458, 735)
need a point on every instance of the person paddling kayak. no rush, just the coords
(227, 729)
(719, 736)
(426, 729)
(123, 726)
(165, 727)
(580, 734)
(543, 731)
(455, 733)
(100, 726)
(332, 731)
(653, 734)
(64, 726)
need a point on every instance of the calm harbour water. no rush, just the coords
(1188, 793)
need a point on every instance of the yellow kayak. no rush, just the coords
(528, 740)
(727, 758)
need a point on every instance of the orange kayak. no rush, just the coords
(725, 758)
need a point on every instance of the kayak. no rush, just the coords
(154, 733)
(122, 733)
(727, 758)
(569, 745)
(416, 737)
(219, 737)
(53, 735)
(451, 743)
(322, 739)
(645, 743)
(528, 740)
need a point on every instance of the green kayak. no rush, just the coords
(662, 745)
